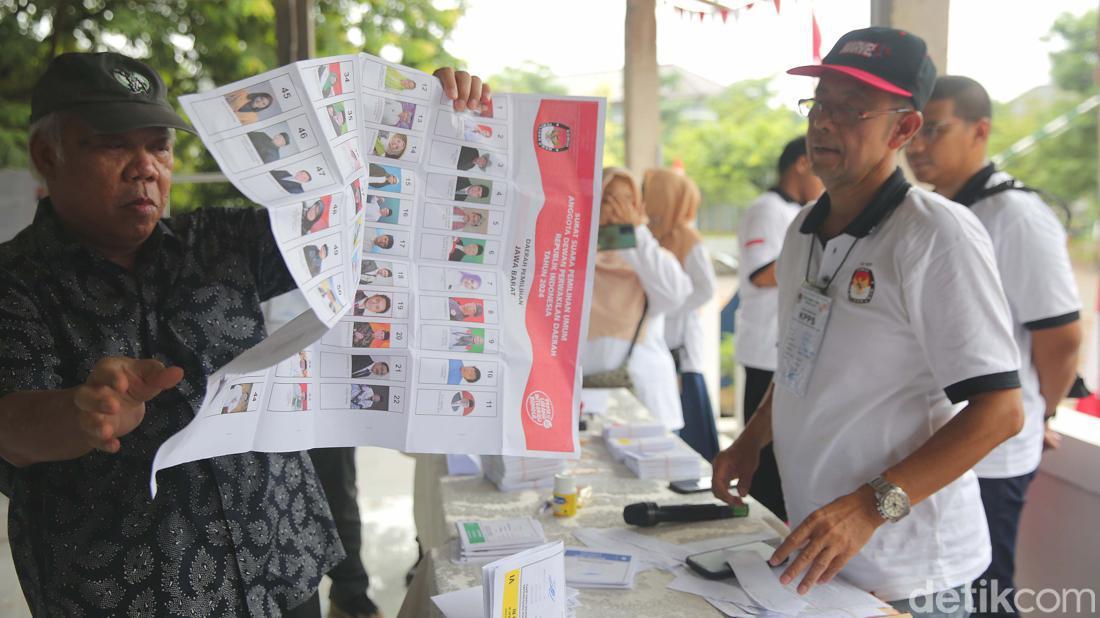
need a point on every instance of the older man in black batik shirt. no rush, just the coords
(96, 283)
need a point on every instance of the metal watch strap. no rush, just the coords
(880, 485)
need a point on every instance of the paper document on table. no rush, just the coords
(650, 551)
(480, 539)
(763, 533)
(724, 589)
(835, 598)
(530, 584)
(761, 583)
(446, 258)
(585, 568)
(465, 603)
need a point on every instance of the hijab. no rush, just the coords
(672, 202)
(618, 298)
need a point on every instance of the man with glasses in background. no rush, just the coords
(949, 153)
(890, 311)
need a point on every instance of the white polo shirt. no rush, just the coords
(760, 237)
(1030, 245)
(918, 321)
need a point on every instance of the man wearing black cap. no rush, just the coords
(890, 310)
(111, 319)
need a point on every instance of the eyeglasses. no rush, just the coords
(931, 131)
(843, 114)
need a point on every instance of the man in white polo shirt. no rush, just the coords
(890, 309)
(760, 237)
(949, 152)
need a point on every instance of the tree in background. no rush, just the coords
(196, 44)
(1065, 164)
(732, 157)
(529, 78)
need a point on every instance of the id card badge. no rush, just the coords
(805, 332)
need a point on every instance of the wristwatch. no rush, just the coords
(891, 501)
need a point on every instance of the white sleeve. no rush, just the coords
(952, 293)
(761, 237)
(1036, 271)
(666, 285)
(703, 282)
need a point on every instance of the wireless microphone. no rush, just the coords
(649, 514)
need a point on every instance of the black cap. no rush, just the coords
(109, 91)
(891, 60)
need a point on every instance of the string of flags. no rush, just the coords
(721, 11)
(724, 12)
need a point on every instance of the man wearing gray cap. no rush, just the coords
(111, 319)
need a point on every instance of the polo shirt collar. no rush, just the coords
(972, 189)
(783, 194)
(886, 199)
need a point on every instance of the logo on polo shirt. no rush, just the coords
(862, 286)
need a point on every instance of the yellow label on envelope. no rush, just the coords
(511, 595)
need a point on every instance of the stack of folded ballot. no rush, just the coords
(677, 463)
(619, 447)
(633, 430)
(509, 472)
(488, 540)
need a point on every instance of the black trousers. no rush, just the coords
(336, 470)
(1003, 500)
(766, 487)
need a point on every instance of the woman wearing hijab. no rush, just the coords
(633, 287)
(671, 201)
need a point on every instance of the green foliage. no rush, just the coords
(1072, 68)
(196, 44)
(529, 77)
(732, 157)
(1064, 165)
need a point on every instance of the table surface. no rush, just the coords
(614, 486)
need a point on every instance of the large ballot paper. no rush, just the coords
(446, 258)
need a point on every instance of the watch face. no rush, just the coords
(895, 504)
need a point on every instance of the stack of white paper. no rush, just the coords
(529, 584)
(585, 568)
(509, 473)
(488, 540)
(756, 591)
(680, 462)
(619, 447)
(634, 430)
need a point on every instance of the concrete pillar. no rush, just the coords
(925, 18)
(641, 87)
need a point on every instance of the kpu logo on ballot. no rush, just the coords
(553, 136)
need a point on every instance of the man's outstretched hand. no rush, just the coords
(111, 403)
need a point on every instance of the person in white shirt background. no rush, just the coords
(671, 202)
(949, 152)
(633, 287)
(890, 310)
(760, 238)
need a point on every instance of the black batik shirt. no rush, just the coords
(240, 535)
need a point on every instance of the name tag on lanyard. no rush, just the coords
(800, 346)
